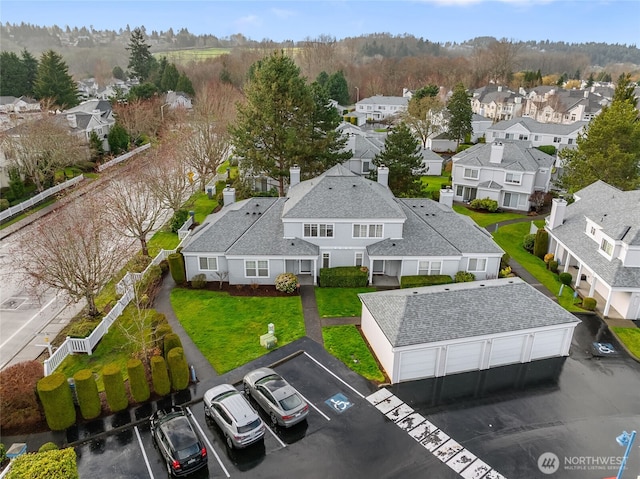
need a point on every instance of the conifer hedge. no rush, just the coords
(541, 243)
(114, 388)
(178, 369)
(176, 267)
(171, 340)
(160, 376)
(57, 401)
(138, 384)
(87, 392)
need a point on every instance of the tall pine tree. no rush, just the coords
(141, 62)
(460, 114)
(54, 82)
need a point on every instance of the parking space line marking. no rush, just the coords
(204, 436)
(144, 453)
(275, 435)
(312, 405)
(334, 375)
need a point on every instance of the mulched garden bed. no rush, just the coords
(263, 290)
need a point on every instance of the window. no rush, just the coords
(556, 139)
(509, 136)
(256, 268)
(593, 231)
(495, 134)
(606, 247)
(367, 231)
(359, 259)
(523, 137)
(383, 107)
(511, 200)
(429, 267)
(570, 141)
(208, 264)
(477, 264)
(535, 138)
(366, 166)
(471, 173)
(513, 178)
(326, 260)
(312, 230)
(459, 190)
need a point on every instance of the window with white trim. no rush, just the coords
(513, 178)
(208, 263)
(556, 139)
(366, 166)
(321, 230)
(472, 174)
(326, 260)
(359, 259)
(593, 231)
(523, 137)
(367, 231)
(429, 267)
(477, 264)
(459, 190)
(606, 247)
(256, 268)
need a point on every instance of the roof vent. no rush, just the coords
(446, 289)
(353, 186)
(415, 292)
(247, 213)
(292, 243)
(254, 212)
(259, 213)
(393, 244)
(482, 285)
(257, 205)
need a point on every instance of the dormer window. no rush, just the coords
(606, 247)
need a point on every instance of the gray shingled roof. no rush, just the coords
(432, 229)
(385, 100)
(462, 310)
(618, 213)
(534, 126)
(518, 156)
(339, 193)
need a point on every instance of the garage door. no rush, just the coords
(548, 344)
(417, 364)
(463, 357)
(506, 350)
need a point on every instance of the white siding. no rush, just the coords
(547, 344)
(464, 357)
(417, 364)
(506, 350)
(379, 343)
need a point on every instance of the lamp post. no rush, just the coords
(625, 439)
(357, 94)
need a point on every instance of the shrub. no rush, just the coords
(505, 272)
(286, 282)
(87, 392)
(3, 453)
(82, 328)
(344, 277)
(541, 243)
(462, 147)
(4, 204)
(138, 263)
(199, 281)
(464, 277)
(553, 266)
(589, 303)
(138, 384)
(486, 204)
(565, 278)
(160, 376)
(176, 267)
(548, 149)
(548, 257)
(504, 261)
(178, 219)
(171, 340)
(56, 399)
(178, 369)
(59, 464)
(156, 319)
(160, 332)
(18, 400)
(48, 446)
(528, 242)
(114, 388)
(424, 280)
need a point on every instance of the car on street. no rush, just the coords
(234, 415)
(284, 405)
(180, 446)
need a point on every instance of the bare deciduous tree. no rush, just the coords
(140, 117)
(426, 117)
(74, 250)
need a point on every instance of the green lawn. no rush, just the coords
(227, 329)
(201, 205)
(434, 183)
(486, 219)
(339, 302)
(510, 238)
(630, 337)
(346, 344)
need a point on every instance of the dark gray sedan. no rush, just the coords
(276, 397)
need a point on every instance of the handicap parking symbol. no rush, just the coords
(604, 348)
(339, 403)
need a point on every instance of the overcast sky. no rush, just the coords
(611, 21)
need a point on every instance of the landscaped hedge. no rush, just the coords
(87, 392)
(589, 303)
(541, 243)
(464, 277)
(160, 376)
(19, 406)
(286, 282)
(178, 369)
(48, 446)
(176, 267)
(199, 281)
(424, 280)
(160, 332)
(486, 204)
(114, 388)
(344, 277)
(60, 464)
(171, 340)
(55, 396)
(138, 384)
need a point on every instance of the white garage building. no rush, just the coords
(441, 330)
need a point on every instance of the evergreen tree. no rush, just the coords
(184, 85)
(118, 139)
(337, 88)
(170, 77)
(322, 79)
(54, 82)
(625, 89)
(30, 64)
(426, 91)
(460, 114)
(401, 155)
(140, 58)
(13, 75)
(117, 73)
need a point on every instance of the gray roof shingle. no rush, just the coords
(518, 156)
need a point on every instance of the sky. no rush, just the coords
(609, 21)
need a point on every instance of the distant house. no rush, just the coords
(442, 143)
(364, 145)
(597, 240)
(178, 100)
(527, 129)
(379, 107)
(91, 116)
(431, 163)
(496, 102)
(11, 104)
(337, 219)
(557, 105)
(507, 171)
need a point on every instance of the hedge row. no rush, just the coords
(60, 464)
(344, 277)
(424, 280)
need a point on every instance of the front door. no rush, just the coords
(378, 266)
(305, 266)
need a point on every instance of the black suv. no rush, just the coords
(179, 444)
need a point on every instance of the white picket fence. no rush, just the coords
(121, 158)
(88, 344)
(14, 210)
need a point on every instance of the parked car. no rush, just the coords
(239, 422)
(284, 405)
(180, 446)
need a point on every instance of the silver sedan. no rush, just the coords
(276, 397)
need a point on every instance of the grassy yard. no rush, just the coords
(434, 183)
(510, 238)
(227, 328)
(630, 337)
(339, 302)
(193, 54)
(486, 219)
(346, 344)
